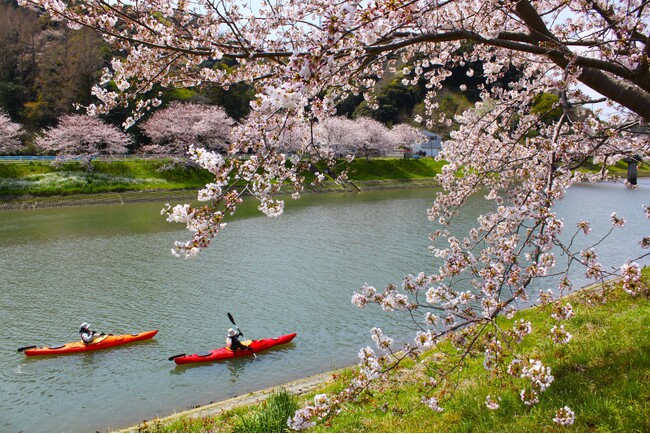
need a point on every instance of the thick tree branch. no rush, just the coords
(593, 70)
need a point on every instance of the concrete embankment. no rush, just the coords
(297, 387)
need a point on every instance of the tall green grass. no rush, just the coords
(394, 168)
(45, 179)
(271, 415)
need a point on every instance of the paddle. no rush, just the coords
(232, 320)
(176, 356)
(21, 349)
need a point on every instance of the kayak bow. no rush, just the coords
(100, 343)
(224, 353)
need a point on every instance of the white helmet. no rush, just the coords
(231, 332)
(84, 325)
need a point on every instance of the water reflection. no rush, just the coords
(236, 367)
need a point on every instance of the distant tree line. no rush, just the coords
(48, 69)
(173, 129)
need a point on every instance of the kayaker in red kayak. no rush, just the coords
(232, 343)
(88, 336)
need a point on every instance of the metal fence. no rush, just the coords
(14, 158)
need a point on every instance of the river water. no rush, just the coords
(111, 266)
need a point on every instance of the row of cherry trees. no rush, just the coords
(179, 125)
(306, 56)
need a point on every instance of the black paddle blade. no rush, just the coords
(176, 356)
(232, 320)
(21, 349)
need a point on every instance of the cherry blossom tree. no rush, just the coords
(405, 136)
(338, 134)
(10, 134)
(305, 56)
(361, 137)
(176, 127)
(84, 138)
(376, 139)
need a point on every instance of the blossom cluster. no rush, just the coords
(305, 417)
(562, 312)
(432, 403)
(492, 404)
(494, 355)
(10, 133)
(539, 375)
(559, 335)
(564, 416)
(631, 274)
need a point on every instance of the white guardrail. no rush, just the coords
(28, 158)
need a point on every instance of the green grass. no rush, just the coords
(602, 374)
(385, 168)
(184, 424)
(40, 179)
(619, 169)
(269, 416)
(45, 179)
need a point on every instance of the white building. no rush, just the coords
(431, 147)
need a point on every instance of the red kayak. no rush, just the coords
(100, 343)
(224, 353)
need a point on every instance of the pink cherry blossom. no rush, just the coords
(85, 137)
(10, 134)
(173, 129)
(564, 416)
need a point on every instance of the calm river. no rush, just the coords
(111, 266)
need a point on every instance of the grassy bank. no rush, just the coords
(603, 375)
(20, 180)
(44, 179)
(37, 179)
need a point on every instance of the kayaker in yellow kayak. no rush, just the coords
(88, 336)
(232, 343)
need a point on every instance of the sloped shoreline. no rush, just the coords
(298, 387)
(121, 198)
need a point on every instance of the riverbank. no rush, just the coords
(300, 387)
(605, 381)
(121, 198)
(44, 185)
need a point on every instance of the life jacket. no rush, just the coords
(235, 344)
